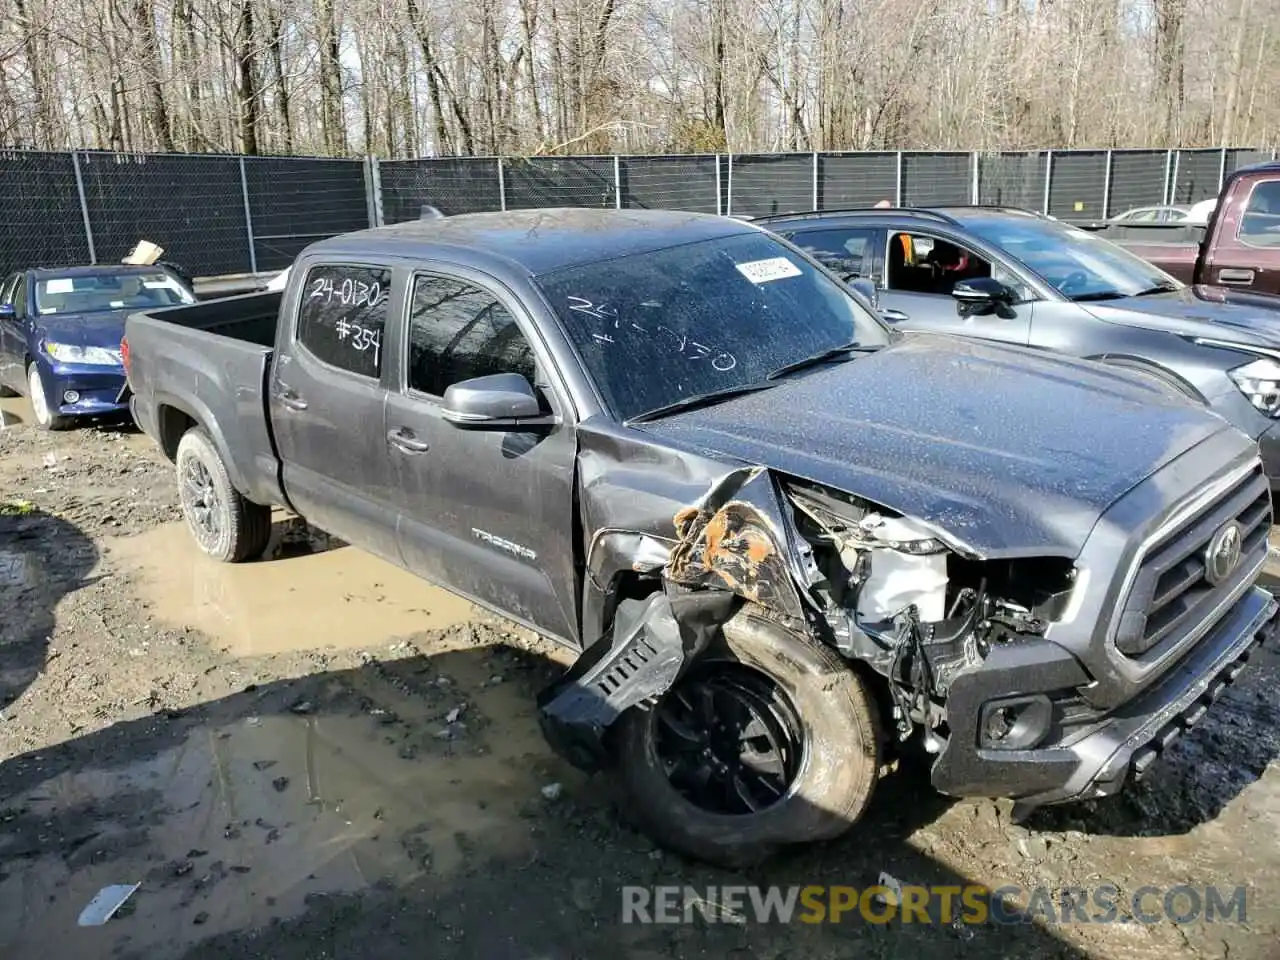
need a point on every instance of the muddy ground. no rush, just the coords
(318, 756)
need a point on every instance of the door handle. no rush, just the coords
(405, 441)
(1234, 276)
(290, 399)
(894, 316)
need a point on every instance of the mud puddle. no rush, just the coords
(400, 775)
(308, 592)
(15, 410)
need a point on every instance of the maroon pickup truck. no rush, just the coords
(1238, 247)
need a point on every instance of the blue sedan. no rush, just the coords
(60, 332)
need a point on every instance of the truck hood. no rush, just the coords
(1200, 311)
(1009, 452)
(98, 329)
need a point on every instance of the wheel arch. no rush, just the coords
(1152, 368)
(176, 415)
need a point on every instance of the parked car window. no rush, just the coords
(1078, 264)
(6, 292)
(1260, 225)
(342, 316)
(845, 251)
(458, 331)
(1166, 214)
(722, 314)
(103, 292)
(20, 298)
(918, 263)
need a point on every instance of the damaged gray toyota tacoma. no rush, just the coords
(785, 539)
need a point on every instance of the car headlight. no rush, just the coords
(97, 356)
(1259, 380)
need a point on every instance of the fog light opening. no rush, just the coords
(1000, 723)
(1017, 723)
(71, 396)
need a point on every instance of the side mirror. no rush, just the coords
(866, 290)
(983, 295)
(7, 312)
(498, 401)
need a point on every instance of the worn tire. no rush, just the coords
(838, 772)
(240, 528)
(45, 418)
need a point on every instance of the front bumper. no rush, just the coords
(98, 389)
(1093, 760)
(1269, 445)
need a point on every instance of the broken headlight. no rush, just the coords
(1259, 380)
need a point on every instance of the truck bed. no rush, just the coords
(208, 362)
(249, 317)
(1173, 247)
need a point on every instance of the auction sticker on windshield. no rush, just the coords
(762, 271)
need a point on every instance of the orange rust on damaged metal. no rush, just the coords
(684, 519)
(734, 550)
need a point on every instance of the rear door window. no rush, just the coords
(342, 316)
(847, 252)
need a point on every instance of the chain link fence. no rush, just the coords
(1068, 184)
(226, 215)
(213, 215)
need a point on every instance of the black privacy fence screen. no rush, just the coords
(220, 215)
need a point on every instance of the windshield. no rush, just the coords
(1078, 264)
(97, 292)
(706, 317)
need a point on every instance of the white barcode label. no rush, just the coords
(762, 271)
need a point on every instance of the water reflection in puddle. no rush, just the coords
(312, 592)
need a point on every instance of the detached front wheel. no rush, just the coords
(769, 740)
(225, 525)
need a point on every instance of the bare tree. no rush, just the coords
(441, 77)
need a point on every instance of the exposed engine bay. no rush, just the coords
(911, 602)
(895, 596)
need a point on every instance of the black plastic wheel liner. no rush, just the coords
(653, 641)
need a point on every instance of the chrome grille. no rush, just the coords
(1171, 593)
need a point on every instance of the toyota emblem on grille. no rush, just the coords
(1222, 556)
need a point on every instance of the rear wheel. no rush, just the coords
(46, 418)
(768, 740)
(225, 525)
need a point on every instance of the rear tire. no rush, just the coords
(223, 523)
(826, 785)
(45, 418)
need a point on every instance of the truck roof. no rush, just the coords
(954, 215)
(1264, 166)
(537, 241)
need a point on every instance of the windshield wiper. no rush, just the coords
(698, 400)
(823, 356)
(1097, 295)
(1158, 288)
